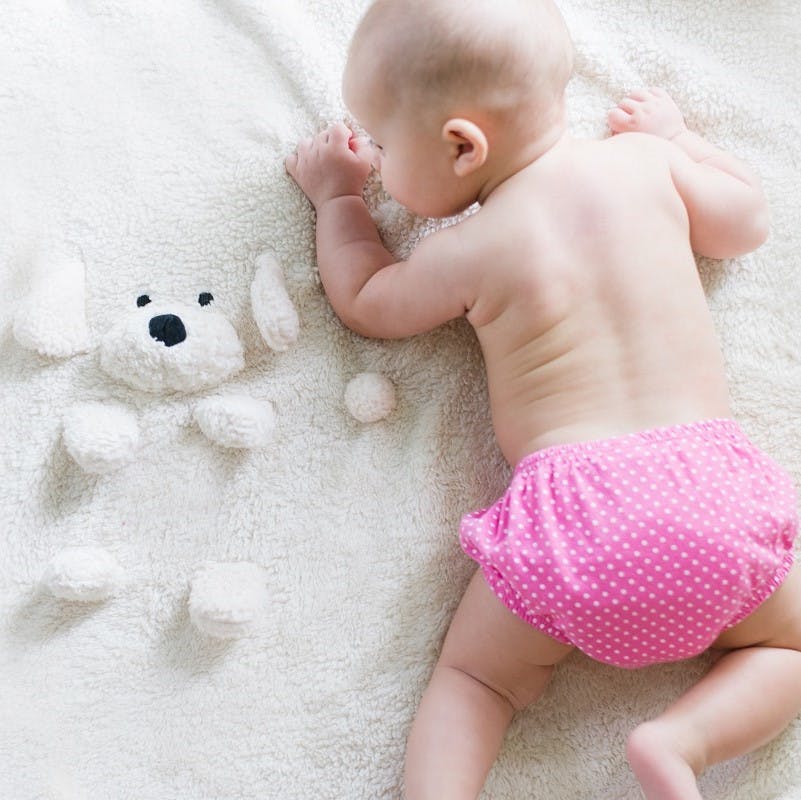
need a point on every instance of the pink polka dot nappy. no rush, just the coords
(643, 548)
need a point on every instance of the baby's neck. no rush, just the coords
(522, 156)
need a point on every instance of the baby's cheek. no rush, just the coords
(389, 180)
(397, 188)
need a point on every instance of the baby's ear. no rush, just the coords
(469, 145)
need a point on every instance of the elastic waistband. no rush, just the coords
(710, 429)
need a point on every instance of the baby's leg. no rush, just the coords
(492, 664)
(745, 700)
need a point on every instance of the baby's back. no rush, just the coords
(592, 318)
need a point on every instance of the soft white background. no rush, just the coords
(150, 137)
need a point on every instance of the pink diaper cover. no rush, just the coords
(643, 548)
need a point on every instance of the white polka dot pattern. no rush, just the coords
(639, 549)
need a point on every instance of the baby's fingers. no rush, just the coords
(620, 120)
(340, 134)
(628, 105)
(292, 161)
(361, 146)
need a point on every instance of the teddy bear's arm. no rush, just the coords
(272, 308)
(236, 421)
(101, 437)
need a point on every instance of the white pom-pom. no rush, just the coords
(87, 574)
(236, 420)
(228, 600)
(370, 397)
(101, 438)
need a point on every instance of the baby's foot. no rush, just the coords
(647, 111)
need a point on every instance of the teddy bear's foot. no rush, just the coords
(100, 437)
(236, 420)
(272, 308)
(85, 574)
(227, 600)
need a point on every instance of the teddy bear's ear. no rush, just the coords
(272, 309)
(52, 318)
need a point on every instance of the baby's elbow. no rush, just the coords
(737, 236)
(361, 327)
(360, 320)
(355, 323)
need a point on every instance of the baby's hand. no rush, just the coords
(647, 111)
(325, 166)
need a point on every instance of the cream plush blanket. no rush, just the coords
(149, 137)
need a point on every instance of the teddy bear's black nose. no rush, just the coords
(167, 328)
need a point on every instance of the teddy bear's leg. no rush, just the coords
(100, 437)
(52, 318)
(228, 600)
(85, 574)
(272, 309)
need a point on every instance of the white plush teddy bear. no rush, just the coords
(164, 347)
(158, 347)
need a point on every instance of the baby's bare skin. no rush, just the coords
(588, 306)
(592, 319)
(577, 274)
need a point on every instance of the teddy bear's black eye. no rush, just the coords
(204, 298)
(142, 300)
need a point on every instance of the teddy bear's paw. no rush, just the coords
(236, 420)
(99, 437)
(370, 397)
(52, 318)
(272, 308)
(228, 600)
(86, 574)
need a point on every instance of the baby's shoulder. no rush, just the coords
(639, 145)
(493, 235)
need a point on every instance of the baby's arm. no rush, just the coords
(723, 196)
(371, 293)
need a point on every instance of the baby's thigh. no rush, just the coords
(776, 623)
(490, 643)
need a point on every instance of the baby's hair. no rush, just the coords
(504, 55)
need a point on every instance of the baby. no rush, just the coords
(640, 525)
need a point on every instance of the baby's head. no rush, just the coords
(452, 91)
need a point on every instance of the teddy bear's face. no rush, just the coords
(164, 346)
